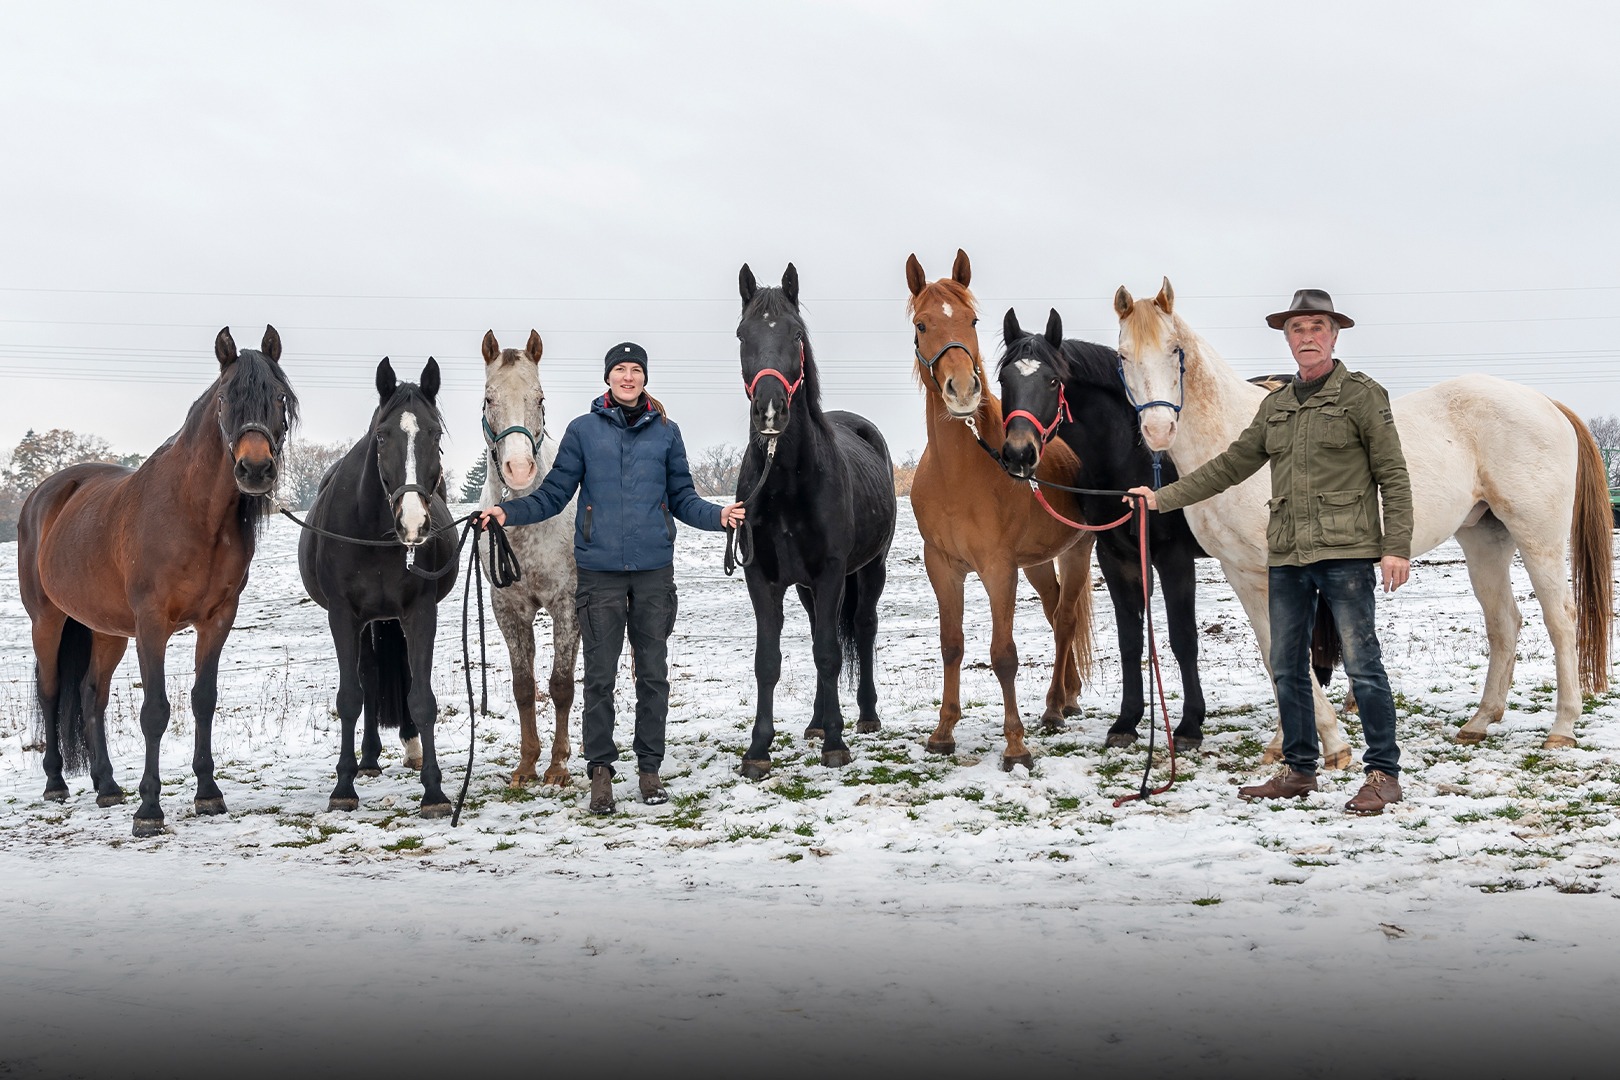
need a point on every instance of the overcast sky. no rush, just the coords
(396, 179)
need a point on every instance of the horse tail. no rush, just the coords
(1591, 559)
(392, 672)
(847, 642)
(1326, 650)
(72, 665)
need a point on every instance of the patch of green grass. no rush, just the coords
(1467, 816)
(752, 832)
(404, 843)
(505, 845)
(794, 856)
(1512, 811)
(1207, 901)
(794, 789)
(971, 794)
(526, 793)
(1059, 856)
(686, 809)
(1066, 802)
(804, 828)
(884, 774)
(1507, 885)
(322, 834)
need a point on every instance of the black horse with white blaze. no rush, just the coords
(1072, 390)
(382, 602)
(821, 513)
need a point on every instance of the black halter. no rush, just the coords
(928, 365)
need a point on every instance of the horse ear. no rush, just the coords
(492, 348)
(386, 382)
(271, 345)
(225, 348)
(535, 346)
(915, 279)
(962, 270)
(430, 379)
(746, 284)
(1010, 330)
(1054, 329)
(790, 286)
(1123, 302)
(1166, 300)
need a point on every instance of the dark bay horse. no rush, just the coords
(821, 513)
(105, 554)
(382, 603)
(1072, 390)
(973, 518)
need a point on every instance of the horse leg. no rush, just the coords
(516, 620)
(767, 601)
(1123, 576)
(371, 704)
(1546, 568)
(352, 655)
(1001, 585)
(47, 628)
(1489, 550)
(105, 652)
(420, 624)
(947, 576)
(564, 652)
(812, 731)
(151, 640)
(828, 715)
(869, 581)
(1043, 578)
(1178, 574)
(211, 635)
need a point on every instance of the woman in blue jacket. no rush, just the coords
(627, 461)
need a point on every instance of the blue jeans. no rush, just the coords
(1346, 586)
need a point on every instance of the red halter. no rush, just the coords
(1063, 413)
(792, 387)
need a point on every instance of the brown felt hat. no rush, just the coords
(1309, 302)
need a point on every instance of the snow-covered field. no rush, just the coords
(909, 913)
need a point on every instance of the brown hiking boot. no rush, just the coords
(1288, 784)
(601, 790)
(653, 791)
(1379, 791)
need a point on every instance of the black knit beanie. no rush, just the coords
(625, 352)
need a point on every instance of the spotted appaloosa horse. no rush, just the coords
(521, 452)
(974, 518)
(105, 554)
(1496, 465)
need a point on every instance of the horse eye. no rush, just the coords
(1053, 381)
(921, 329)
(975, 322)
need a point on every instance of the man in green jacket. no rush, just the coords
(1331, 441)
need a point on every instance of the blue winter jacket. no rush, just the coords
(630, 481)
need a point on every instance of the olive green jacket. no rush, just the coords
(1330, 456)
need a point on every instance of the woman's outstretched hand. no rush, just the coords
(732, 516)
(491, 513)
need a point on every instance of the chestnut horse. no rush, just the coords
(973, 517)
(1496, 465)
(105, 554)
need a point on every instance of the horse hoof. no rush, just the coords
(1071, 710)
(1119, 740)
(866, 727)
(435, 810)
(1051, 724)
(947, 747)
(836, 759)
(208, 807)
(1186, 744)
(56, 794)
(754, 770)
(1270, 756)
(115, 798)
(1338, 760)
(371, 770)
(343, 805)
(1558, 742)
(413, 763)
(1468, 737)
(1026, 760)
(146, 826)
(814, 734)
(557, 776)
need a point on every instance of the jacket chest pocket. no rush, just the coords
(1279, 432)
(1341, 519)
(1332, 427)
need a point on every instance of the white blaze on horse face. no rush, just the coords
(769, 423)
(413, 510)
(946, 309)
(1027, 367)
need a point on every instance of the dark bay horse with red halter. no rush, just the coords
(821, 514)
(1072, 390)
(974, 518)
(105, 554)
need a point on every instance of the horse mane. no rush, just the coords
(1077, 361)
(769, 302)
(406, 393)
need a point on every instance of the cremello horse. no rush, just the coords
(1497, 465)
(520, 454)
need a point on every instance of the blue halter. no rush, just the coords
(1181, 392)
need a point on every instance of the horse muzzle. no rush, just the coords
(255, 477)
(1159, 428)
(1020, 455)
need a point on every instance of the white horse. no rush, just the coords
(520, 455)
(1495, 464)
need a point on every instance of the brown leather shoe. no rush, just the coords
(1288, 784)
(653, 791)
(1379, 791)
(601, 790)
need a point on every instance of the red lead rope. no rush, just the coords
(1140, 510)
